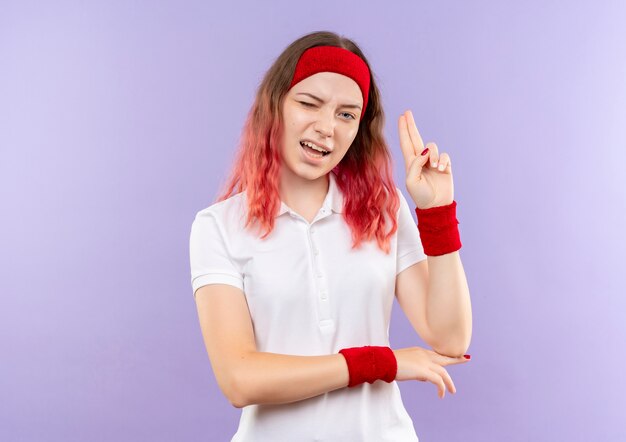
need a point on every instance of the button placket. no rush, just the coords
(322, 292)
(318, 271)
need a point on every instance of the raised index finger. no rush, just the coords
(413, 132)
(408, 151)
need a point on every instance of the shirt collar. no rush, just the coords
(333, 200)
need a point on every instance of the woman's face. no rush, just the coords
(330, 121)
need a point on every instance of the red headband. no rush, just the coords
(334, 59)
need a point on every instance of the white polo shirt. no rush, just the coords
(309, 294)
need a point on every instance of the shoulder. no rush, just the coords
(227, 217)
(225, 211)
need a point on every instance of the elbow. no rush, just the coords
(236, 399)
(453, 349)
(237, 393)
(453, 344)
(241, 384)
(237, 403)
(232, 390)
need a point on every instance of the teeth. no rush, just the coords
(313, 146)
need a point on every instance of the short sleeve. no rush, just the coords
(410, 249)
(208, 255)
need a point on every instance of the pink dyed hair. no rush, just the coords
(364, 175)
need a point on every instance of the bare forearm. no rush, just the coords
(448, 309)
(272, 378)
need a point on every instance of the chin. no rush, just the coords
(303, 171)
(311, 175)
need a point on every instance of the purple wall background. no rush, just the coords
(118, 121)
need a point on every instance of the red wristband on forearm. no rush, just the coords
(369, 363)
(438, 229)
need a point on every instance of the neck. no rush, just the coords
(301, 193)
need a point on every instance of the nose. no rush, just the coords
(324, 124)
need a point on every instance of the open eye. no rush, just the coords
(351, 116)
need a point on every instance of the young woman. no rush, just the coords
(294, 275)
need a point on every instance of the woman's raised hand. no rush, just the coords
(417, 363)
(430, 185)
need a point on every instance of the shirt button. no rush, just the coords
(319, 275)
(324, 294)
(312, 230)
(316, 251)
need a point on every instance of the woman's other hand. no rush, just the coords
(417, 363)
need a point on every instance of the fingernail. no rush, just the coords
(467, 356)
(425, 151)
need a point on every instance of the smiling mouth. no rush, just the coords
(312, 152)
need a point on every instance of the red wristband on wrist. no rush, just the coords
(369, 363)
(438, 229)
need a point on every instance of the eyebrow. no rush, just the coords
(354, 106)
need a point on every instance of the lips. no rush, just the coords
(312, 151)
(311, 155)
(323, 146)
